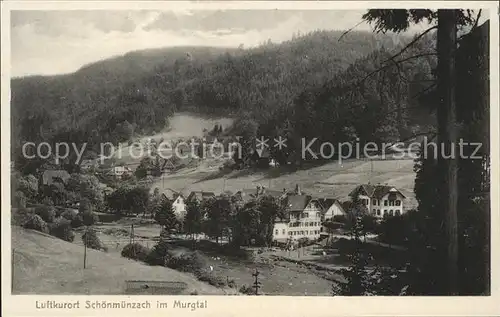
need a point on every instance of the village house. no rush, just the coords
(200, 196)
(178, 202)
(303, 217)
(120, 171)
(88, 165)
(52, 177)
(248, 194)
(380, 200)
(331, 207)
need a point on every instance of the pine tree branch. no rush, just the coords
(346, 32)
(424, 91)
(393, 62)
(416, 39)
(477, 19)
(415, 56)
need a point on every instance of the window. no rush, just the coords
(276, 232)
(378, 212)
(302, 232)
(290, 233)
(306, 224)
(374, 211)
(385, 202)
(398, 202)
(391, 212)
(306, 215)
(385, 213)
(321, 229)
(318, 215)
(398, 213)
(307, 232)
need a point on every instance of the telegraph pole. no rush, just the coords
(131, 233)
(256, 284)
(85, 248)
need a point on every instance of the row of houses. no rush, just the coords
(305, 213)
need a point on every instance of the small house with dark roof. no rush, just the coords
(331, 207)
(51, 177)
(261, 157)
(200, 196)
(380, 200)
(178, 202)
(248, 194)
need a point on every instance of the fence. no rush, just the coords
(154, 287)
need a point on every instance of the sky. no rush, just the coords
(58, 42)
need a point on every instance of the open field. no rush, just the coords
(330, 179)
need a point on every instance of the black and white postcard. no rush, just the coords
(221, 158)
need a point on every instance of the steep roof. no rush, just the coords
(297, 202)
(326, 202)
(201, 195)
(375, 191)
(249, 194)
(171, 194)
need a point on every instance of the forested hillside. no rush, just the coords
(312, 80)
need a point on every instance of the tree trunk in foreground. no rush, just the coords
(447, 138)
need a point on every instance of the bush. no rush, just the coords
(212, 278)
(47, 201)
(69, 214)
(135, 251)
(91, 240)
(231, 283)
(35, 222)
(47, 213)
(340, 218)
(77, 221)
(247, 290)
(193, 262)
(19, 200)
(159, 254)
(89, 218)
(62, 229)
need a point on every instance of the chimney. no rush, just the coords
(297, 190)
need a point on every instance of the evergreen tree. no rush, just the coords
(356, 275)
(165, 216)
(193, 219)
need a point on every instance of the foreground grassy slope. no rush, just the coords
(46, 265)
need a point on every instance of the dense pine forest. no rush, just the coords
(324, 84)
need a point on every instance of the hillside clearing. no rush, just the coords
(330, 179)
